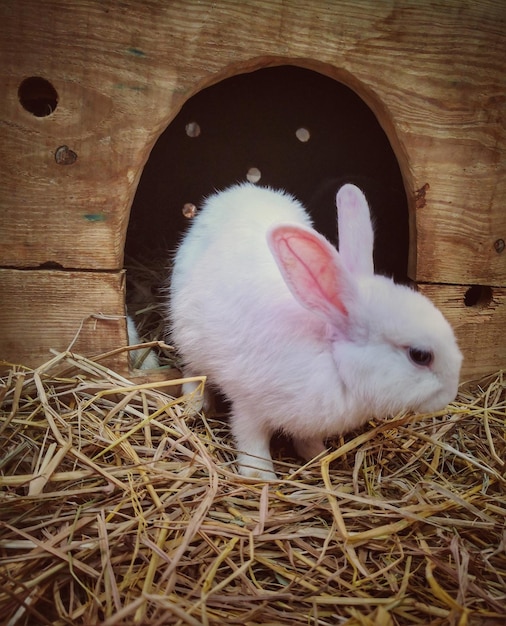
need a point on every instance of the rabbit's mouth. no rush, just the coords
(438, 401)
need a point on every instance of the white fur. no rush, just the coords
(144, 359)
(287, 352)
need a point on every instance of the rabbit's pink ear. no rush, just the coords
(312, 270)
(356, 236)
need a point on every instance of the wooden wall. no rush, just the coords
(432, 72)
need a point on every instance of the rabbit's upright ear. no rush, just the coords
(356, 236)
(313, 271)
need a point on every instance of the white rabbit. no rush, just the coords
(301, 338)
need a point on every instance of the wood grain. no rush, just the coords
(46, 310)
(480, 328)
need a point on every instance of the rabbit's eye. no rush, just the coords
(421, 357)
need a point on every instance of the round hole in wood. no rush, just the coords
(478, 296)
(38, 96)
(253, 175)
(303, 134)
(65, 156)
(192, 129)
(189, 210)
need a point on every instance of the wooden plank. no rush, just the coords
(42, 310)
(433, 72)
(480, 325)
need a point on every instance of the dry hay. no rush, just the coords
(120, 507)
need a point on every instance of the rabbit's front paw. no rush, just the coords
(255, 467)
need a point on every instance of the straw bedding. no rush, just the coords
(120, 506)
